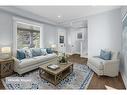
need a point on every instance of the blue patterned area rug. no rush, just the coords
(78, 79)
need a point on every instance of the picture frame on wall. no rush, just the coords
(61, 39)
(80, 35)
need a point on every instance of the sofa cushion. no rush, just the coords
(45, 58)
(36, 52)
(106, 55)
(97, 62)
(36, 60)
(26, 62)
(21, 54)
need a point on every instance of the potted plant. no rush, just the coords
(63, 58)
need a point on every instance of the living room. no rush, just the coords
(34, 37)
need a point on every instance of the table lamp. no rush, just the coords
(6, 51)
(53, 46)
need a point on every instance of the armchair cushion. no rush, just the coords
(97, 62)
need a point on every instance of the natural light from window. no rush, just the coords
(28, 36)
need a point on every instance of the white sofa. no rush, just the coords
(25, 65)
(105, 67)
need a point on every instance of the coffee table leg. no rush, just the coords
(71, 68)
(55, 80)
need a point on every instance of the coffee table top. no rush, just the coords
(57, 71)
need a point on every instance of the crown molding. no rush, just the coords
(25, 14)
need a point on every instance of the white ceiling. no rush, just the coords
(67, 13)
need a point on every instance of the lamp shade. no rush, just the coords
(53, 46)
(5, 49)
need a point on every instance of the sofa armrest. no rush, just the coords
(16, 60)
(115, 62)
(16, 63)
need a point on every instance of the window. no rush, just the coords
(28, 36)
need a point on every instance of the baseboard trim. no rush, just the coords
(124, 79)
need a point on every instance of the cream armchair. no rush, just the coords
(105, 67)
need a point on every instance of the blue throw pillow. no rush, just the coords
(36, 52)
(106, 55)
(21, 54)
(49, 50)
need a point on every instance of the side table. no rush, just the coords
(6, 67)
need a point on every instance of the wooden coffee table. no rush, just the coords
(55, 76)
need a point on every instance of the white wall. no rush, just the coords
(50, 35)
(5, 29)
(104, 31)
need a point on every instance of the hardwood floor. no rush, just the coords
(77, 59)
(102, 82)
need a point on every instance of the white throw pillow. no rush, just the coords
(44, 52)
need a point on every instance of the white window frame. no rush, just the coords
(28, 22)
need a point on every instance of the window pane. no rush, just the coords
(28, 36)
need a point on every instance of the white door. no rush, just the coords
(61, 40)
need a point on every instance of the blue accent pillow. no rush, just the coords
(106, 55)
(49, 50)
(36, 52)
(21, 54)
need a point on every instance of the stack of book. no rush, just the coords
(53, 66)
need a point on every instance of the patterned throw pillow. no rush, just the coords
(44, 52)
(28, 53)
